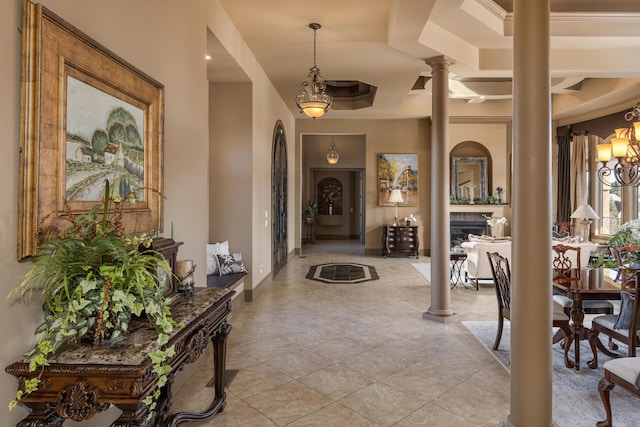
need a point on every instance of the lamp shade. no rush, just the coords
(585, 211)
(396, 196)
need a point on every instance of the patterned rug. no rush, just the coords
(576, 401)
(342, 273)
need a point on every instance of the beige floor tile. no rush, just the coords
(256, 379)
(288, 402)
(382, 403)
(297, 363)
(236, 413)
(334, 415)
(432, 415)
(337, 381)
(316, 354)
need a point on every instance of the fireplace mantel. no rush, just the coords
(495, 210)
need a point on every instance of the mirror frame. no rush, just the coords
(484, 177)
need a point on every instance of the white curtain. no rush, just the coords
(578, 190)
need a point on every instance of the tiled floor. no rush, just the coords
(316, 354)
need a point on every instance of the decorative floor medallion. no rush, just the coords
(342, 273)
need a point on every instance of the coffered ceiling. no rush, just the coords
(384, 43)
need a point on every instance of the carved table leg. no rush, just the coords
(41, 415)
(133, 415)
(604, 387)
(577, 317)
(567, 345)
(219, 343)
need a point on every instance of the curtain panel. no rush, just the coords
(563, 204)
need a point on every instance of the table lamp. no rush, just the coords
(585, 214)
(396, 197)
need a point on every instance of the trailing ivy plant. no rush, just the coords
(91, 280)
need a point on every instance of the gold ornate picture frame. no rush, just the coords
(86, 115)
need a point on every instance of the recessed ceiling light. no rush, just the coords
(207, 57)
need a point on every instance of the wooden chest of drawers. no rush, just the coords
(400, 240)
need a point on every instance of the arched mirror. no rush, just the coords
(469, 179)
(471, 167)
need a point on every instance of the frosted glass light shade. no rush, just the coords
(604, 152)
(619, 147)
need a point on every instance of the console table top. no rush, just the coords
(135, 346)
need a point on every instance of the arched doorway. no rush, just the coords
(279, 199)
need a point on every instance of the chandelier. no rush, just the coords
(625, 147)
(332, 155)
(314, 101)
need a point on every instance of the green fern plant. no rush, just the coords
(91, 281)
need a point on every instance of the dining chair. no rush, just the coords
(622, 253)
(563, 228)
(502, 280)
(566, 271)
(622, 327)
(623, 372)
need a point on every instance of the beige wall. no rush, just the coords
(230, 172)
(493, 136)
(408, 136)
(382, 136)
(168, 42)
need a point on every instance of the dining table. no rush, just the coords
(594, 284)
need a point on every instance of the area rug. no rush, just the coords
(423, 268)
(576, 401)
(342, 273)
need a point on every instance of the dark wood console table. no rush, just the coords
(83, 380)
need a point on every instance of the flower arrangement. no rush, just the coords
(91, 280)
(628, 234)
(495, 221)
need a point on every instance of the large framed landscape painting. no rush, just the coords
(86, 116)
(398, 171)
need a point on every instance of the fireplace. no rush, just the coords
(461, 224)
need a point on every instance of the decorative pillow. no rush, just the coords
(626, 310)
(229, 264)
(214, 249)
(568, 239)
(560, 236)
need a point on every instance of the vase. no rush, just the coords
(497, 230)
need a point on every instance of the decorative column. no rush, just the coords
(440, 239)
(531, 301)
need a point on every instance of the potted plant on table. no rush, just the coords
(311, 211)
(91, 280)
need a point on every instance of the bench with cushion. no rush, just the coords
(227, 281)
(225, 270)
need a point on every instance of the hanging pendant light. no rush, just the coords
(332, 155)
(314, 101)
